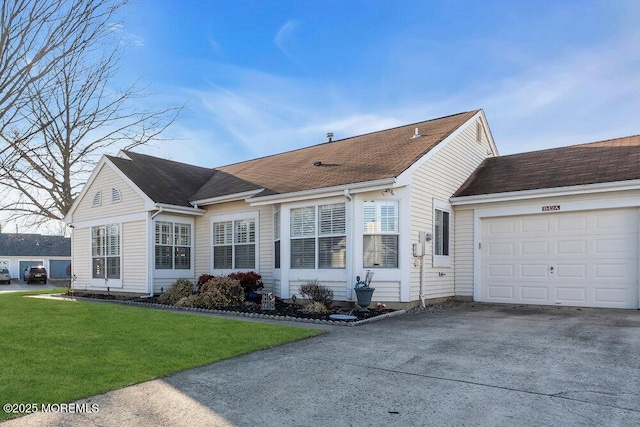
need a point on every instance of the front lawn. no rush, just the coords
(61, 351)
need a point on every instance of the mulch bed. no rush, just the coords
(283, 309)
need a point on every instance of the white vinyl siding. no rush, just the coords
(438, 179)
(106, 180)
(463, 248)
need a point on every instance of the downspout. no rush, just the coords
(422, 305)
(350, 229)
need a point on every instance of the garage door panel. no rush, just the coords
(501, 249)
(613, 270)
(530, 271)
(615, 246)
(535, 225)
(571, 247)
(534, 248)
(571, 295)
(571, 271)
(534, 294)
(505, 293)
(501, 271)
(579, 258)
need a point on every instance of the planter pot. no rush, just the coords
(364, 298)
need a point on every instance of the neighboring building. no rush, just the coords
(328, 212)
(428, 207)
(552, 227)
(20, 251)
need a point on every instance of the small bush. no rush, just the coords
(192, 301)
(222, 292)
(250, 281)
(181, 288)
(317, 293)
(315, 308)
(204, 278)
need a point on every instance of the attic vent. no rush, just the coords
(116, 196)
(330, 136)
(416, 134)
(479, 132)
(97, 199)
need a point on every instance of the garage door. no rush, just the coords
(580, 259)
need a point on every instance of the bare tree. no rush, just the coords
(63, 110)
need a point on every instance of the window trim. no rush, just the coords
(251, 215)
(442, 260)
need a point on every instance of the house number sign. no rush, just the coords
(550, 208)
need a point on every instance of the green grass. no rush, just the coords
(61, 351)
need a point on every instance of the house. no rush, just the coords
(329, 212)
(552, 227)
(429, 207)
(20, 251)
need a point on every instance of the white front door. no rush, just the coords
(576, 259)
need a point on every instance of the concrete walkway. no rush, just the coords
(473, 365)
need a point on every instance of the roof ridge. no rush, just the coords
(581, 144)
(345, 139)
(135, 153)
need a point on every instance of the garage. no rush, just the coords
(585, 258)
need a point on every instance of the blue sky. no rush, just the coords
(261, 77)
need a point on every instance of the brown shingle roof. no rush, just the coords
(370, 157)
(592, 163)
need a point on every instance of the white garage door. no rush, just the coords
(580, 259)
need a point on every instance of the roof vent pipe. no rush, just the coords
(330, 136)
(416, 135)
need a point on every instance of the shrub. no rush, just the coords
(317, 293)
(181, 288)
(221, 292)
(315, 308)
(193, 301)
(250, 281)
(204, 278)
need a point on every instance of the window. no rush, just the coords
(234, 244)
(276, 239)
(381, 230)
(97, 199)
(173, 246)
(105, 251)
(318, 237)
(441, 234)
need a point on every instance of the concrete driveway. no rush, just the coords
(472, 365)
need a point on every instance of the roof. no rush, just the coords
(364, 158)
(592, 163)
(163, 181)
(34, 245)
